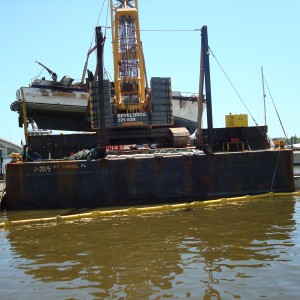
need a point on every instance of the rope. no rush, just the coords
(275, 170)
(97, 24)
(34, 78)
(90, 48)
(170, 30)
(238, 94)
(276, 110)
(106, 16)
(162, 30)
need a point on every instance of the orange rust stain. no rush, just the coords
(63, 94)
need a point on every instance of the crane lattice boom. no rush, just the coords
(129, 69)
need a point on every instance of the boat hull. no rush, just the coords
(146, 180)
(296, 156)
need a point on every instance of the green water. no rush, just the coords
(242, 250)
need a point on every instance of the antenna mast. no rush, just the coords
(264, 95)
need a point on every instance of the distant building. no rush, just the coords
(9, 147)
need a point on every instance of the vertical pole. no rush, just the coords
(102, 132)
(200, 103)
(264, 95)
(205, 49)
(24, 116)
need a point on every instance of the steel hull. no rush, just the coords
(146, 180)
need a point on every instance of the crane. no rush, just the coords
(130, 111)
(129, 69)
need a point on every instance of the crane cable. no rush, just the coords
(90, 48)
(237, 92)
(276, 165)
(93, 38)
(275, 109)
(163, 30)
(106, 19)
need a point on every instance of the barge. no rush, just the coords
(134, 153)
(146, 179)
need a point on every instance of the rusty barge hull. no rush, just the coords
(131, 181)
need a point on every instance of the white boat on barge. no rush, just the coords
(64, 105)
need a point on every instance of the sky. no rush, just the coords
(243, 35)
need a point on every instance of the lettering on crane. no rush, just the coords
(131, 117)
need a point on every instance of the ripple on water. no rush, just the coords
(244, 250)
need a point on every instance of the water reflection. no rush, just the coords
(213, 252)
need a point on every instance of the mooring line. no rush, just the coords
(275, 170)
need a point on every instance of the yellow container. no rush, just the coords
(237, 120)
(279, 144)
(282, 144)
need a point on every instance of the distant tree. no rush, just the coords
(289, 141)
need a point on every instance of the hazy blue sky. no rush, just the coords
(244, 35)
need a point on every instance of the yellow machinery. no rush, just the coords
(237, 120)
(128, 103)
(129, 69)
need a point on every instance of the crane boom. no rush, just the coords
(129, 69)
(129, 102)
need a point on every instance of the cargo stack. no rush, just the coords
(95, 105)
(160, 114)
(161, 94)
